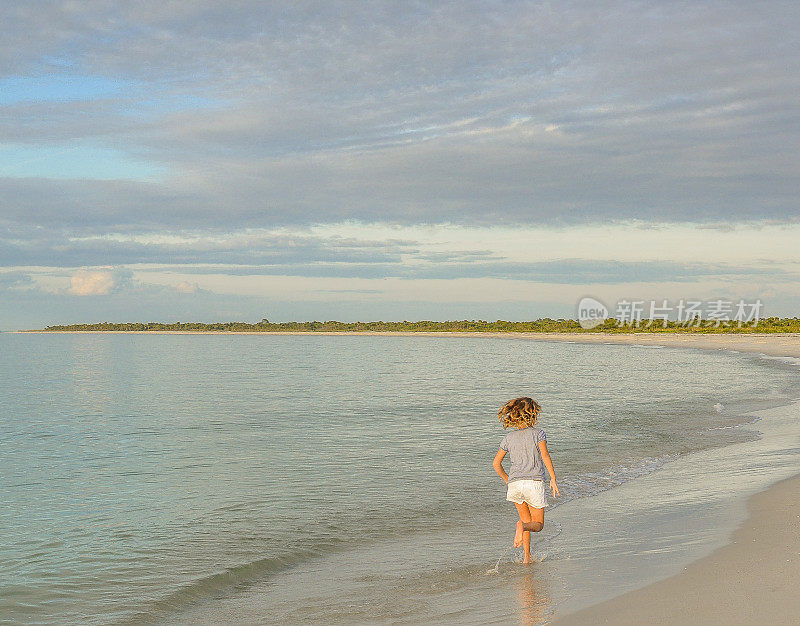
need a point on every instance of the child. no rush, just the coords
(528, 449)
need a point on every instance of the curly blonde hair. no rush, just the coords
(519, 413)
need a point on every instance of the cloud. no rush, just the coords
(437, 254)
(118, 280)
(15, 280)
(40, 247)
(484, 113)
(181, 135)
(99, 282)
(187, 287)
(556, 272)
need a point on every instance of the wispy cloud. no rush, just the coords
(15, 280)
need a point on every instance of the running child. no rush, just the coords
(527, 446)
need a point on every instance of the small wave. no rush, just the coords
(739, 425)
(592, 483)
(538, 549)
(718, 407)
(791, 360)
(237, 577)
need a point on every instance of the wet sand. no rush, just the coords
(772, 344)
(753, 580)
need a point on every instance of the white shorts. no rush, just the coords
(530, 491)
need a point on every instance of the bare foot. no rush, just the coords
(527, 560)
(518, 536)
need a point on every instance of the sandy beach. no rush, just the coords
(752, 580)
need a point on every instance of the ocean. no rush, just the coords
(255, 479)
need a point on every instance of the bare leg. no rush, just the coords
(523, 536)
(536, 521)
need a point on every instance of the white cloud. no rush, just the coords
(187, 287)
(100, 282)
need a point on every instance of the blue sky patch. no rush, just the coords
(72, 161)
(55, 88)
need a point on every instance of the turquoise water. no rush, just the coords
(152, 478)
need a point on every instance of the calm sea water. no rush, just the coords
(211, 478)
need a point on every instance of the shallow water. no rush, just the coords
(204, 478)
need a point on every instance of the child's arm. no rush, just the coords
(497, 464)
(548, 463)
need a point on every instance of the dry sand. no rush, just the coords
(753, 580)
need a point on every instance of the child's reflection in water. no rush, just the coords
(532, 599)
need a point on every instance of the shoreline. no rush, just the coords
(751, 579)
(773, 344)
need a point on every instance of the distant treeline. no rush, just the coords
(545, 325)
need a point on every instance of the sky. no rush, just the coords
(207, 161)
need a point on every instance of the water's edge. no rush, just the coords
(728, 515)
(586, 614)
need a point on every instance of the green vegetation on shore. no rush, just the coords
(546, 325)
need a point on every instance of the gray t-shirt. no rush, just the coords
(526, 458)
